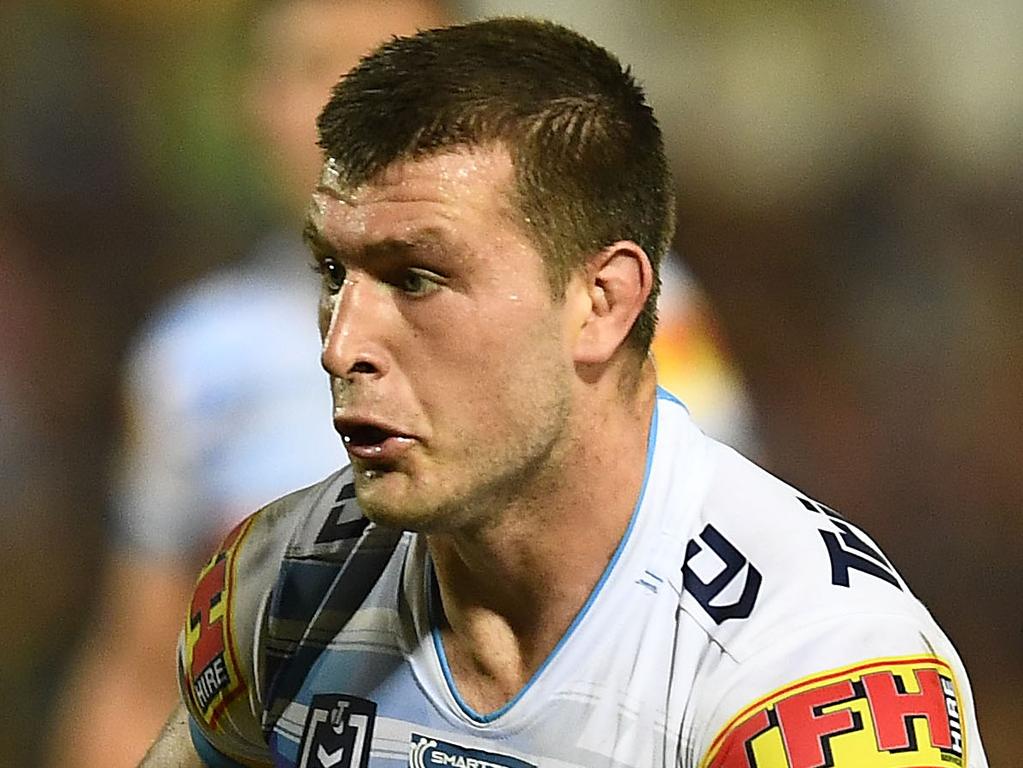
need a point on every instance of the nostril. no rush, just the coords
(362, 367)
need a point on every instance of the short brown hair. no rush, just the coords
(586, 148)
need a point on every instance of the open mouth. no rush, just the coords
(365, 436)
(372, 443)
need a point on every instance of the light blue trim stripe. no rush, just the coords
(663, 394)
(433, 594)
(209, 754)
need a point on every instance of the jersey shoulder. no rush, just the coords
(334, 572)
(803, 611)
(220, 666)
(766, 557)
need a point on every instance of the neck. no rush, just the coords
(510, 590)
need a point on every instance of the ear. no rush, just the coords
(618, 281)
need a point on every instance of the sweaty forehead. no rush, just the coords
(448, 190)
(449, 176)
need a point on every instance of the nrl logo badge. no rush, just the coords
(338, 732)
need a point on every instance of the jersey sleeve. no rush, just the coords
(861, 691)
(218, 650)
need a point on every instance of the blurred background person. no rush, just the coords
(227, 407)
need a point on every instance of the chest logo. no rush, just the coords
(428, 752)
(338, 732)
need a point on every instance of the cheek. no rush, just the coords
(497, 356)
(495, 335)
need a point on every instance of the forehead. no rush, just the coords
(466, 185)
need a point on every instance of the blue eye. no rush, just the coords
(417, 283)
(413, 282)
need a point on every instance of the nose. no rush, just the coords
(352, 341)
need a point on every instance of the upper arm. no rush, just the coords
(220, 683)
(866, 691)
(176, 748)
(173, 748)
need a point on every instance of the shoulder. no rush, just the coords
(800, 609)
(757, 554)
(788, 560)
(842, 696)
(220, 679)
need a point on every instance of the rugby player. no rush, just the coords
(535, 557)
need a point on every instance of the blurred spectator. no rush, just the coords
(227, 407)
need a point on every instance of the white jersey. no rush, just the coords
(740, 624)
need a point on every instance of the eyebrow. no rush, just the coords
(312, 236)
(427, 237)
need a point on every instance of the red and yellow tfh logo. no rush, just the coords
(886, 713)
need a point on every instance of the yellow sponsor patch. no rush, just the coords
(884, 713)
(211, 666)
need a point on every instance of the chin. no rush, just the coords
(387, 500)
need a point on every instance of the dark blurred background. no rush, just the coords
(850, 185)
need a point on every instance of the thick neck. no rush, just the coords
(510, 590)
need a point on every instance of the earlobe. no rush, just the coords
(618, 282)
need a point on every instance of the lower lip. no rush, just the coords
(389, 450)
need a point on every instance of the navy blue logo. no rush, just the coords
(428, 752)
(345, 520)
(338, 732)
(850, 550)
(734, 562)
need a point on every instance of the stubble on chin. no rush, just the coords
(390, 499)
